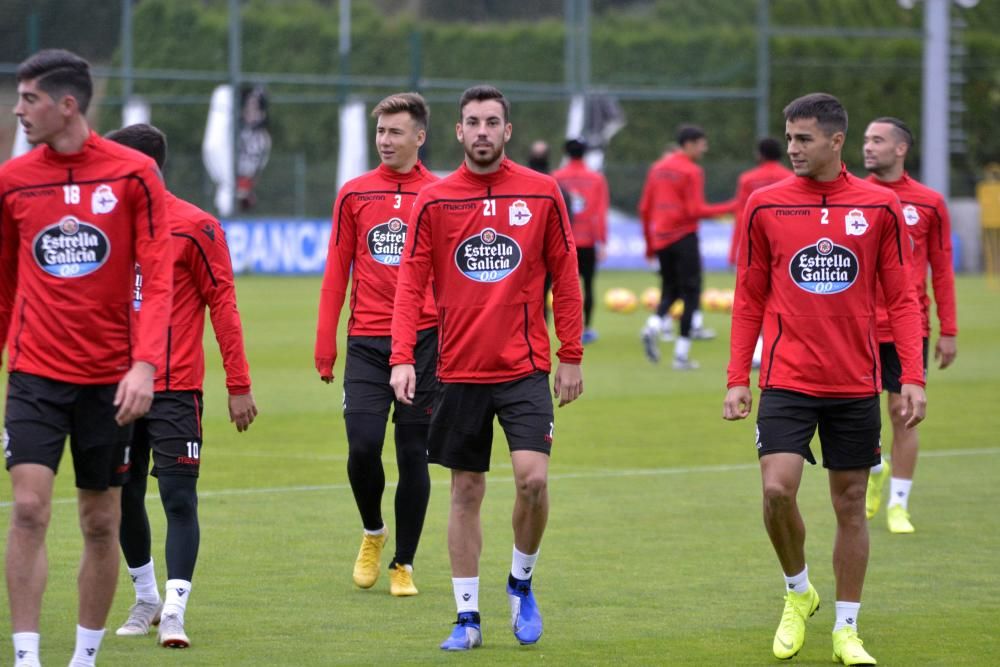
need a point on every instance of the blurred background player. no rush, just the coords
(809, 271)
(672, 203)
(887, 141)
(768, 170)
(588, 204)
(170, 434)
(486, 235)
(370, 226)
(76, 215)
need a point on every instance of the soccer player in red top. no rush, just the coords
(672, 203)
(768, 170)
(487, 234)
(171, 430)
(816, 248)
(588, 203)
(76, 215)
(370, 226)
(887, 141)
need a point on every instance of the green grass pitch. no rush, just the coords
(655, 552)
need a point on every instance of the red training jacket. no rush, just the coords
(488, 240)
(809, 270)
(72, 228)
(203, 276)
(370, 223)
(929, 227)
(589, 202)
(765, 173)
(673, 201)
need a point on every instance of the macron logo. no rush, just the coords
(181, 592)
(527, 570)
(466, 597)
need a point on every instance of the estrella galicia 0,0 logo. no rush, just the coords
(824, 268)
(488, 256)
(71, 248)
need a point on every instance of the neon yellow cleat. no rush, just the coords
(899, 519)
(873, 497)
(401, 581)
(791, 631)
(848, 649)
(368, 564)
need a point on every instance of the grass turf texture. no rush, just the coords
(655, 551)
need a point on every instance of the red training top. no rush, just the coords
(673, 201)
(72, 228)
(488, 240)
(809, 270)
(369, 231)
(929, 227)
(203, 276)
(763, 174)
(589, 202)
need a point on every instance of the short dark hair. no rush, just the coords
(829, 113)
(59, 73)
(769, 149)
(903, 132)
(144, 138)
(576, 148)
(411, 103)
(483, 94)
(688, 133)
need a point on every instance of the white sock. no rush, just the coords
(653, 322)
(466, 593)
(144, 582)
(696, 319)
(26, 646)
(798, 583)
(899, 491)
(847, 615)
(176, 599)
(877, 468)
(87, 644)
(522, 566)
(758, 351)
(381, 531)
(682, 346)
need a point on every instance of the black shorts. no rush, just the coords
(461, 432)
(366, 378)
(171, 430)
(849, 428)
(892, 368)
(42, 412)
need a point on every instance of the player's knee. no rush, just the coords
(31, 512)
(532, 486)
(180, 500)
(100, 524)
(848, 501)
(468, 489)
(778, 496)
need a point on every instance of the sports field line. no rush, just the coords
(595, 474)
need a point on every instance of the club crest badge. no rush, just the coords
(855, 223)
(519, 213)
(103, 200)
(911, 214)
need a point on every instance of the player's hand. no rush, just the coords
(738, 402)
(602, 253)
(568, 384)
(327, 378)
(945, 351)
(325, 369)
(135, 393)
(242, 410)
(914, 404)
(403, 381)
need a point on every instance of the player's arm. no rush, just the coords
(753, 283)
(339, 256)
(567, 303)
(695, 205)
(9, 242)
(414, 272)
(604, 205)
(152, 251)
(646, 212)
(212, 270)
(943, 279)
(739, 213)
(895, 263)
